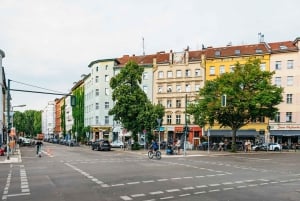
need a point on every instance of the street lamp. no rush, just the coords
(158, 121)
(12, 124)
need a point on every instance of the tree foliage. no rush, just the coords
(132, 107)
(249, 96)
(29, 122)
(78, 114)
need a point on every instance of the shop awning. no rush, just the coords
(285, 133)
(228, 133)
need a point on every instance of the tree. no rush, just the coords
(131, 103)
(78, 113)
(29, 122)
(248, 93)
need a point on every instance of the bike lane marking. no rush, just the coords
(23, 180)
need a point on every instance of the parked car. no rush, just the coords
(101, 145)
(259, 147)
(203, 146)
(274, 147)
(117, 144)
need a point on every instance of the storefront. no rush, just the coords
(241, 135)
(288, 137)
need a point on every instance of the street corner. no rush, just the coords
(13, 158)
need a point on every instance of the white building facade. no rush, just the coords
(48, 120)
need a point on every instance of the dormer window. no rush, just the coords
(217, 53)
(258, 51)
(283, 47)
(237, 52)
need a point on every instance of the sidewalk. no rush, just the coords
(13, 158)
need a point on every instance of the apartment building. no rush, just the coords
(97, 98)
(2, 99)
(222, 60)
(177, 78)
(58, 131)
(48, 120)
(285, 61)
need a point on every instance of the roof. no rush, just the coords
(100, 60)
(237, 51)
(285, 46)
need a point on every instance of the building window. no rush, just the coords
(169, 119)
(278, 81)
(290, 64)
(197, 72)
(160, 74)
(97, 69)
(237, 52)
(289, 98)
(169, 103)
(278, 65)
(231, 68)
(106, 78)
(187, 73)
(277, 117)
(217, 53)
(145, 76)
(178, 103)
(97, 79)
(159, 102)
(169, 89)
(97, 106)
(106, 119)
(222, 70)
(178, 88)
(178, 118)
(197, 87)
(263, 66)
(169, 74)
(188, 88)
(106, 91)
(178, 73)
(160, 90)
(106, 105)
(212, 70)
(97, 92)
(145, 89)
(289, 80)
(97, 120)
(288, 117)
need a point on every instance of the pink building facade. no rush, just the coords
(285, 61)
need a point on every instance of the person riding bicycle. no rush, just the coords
(38, 146)
(154, 146)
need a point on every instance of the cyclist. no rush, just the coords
(154, 146)
(38, 147)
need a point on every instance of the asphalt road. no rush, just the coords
(78, 173)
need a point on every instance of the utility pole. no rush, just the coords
(185, 127)
(8, 119)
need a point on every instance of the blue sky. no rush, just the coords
(49, 43)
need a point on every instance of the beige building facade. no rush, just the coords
(177, 78)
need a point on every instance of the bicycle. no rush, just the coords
(152, 153)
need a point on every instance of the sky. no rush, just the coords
(49, 44)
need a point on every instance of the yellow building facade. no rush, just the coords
(222, 60)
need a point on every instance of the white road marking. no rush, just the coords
(172, 190)
(166, 198)
(125, 198)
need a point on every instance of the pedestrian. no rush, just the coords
(246, 145)
(178, 146)
(249, 146)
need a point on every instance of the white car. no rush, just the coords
(117, 144)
